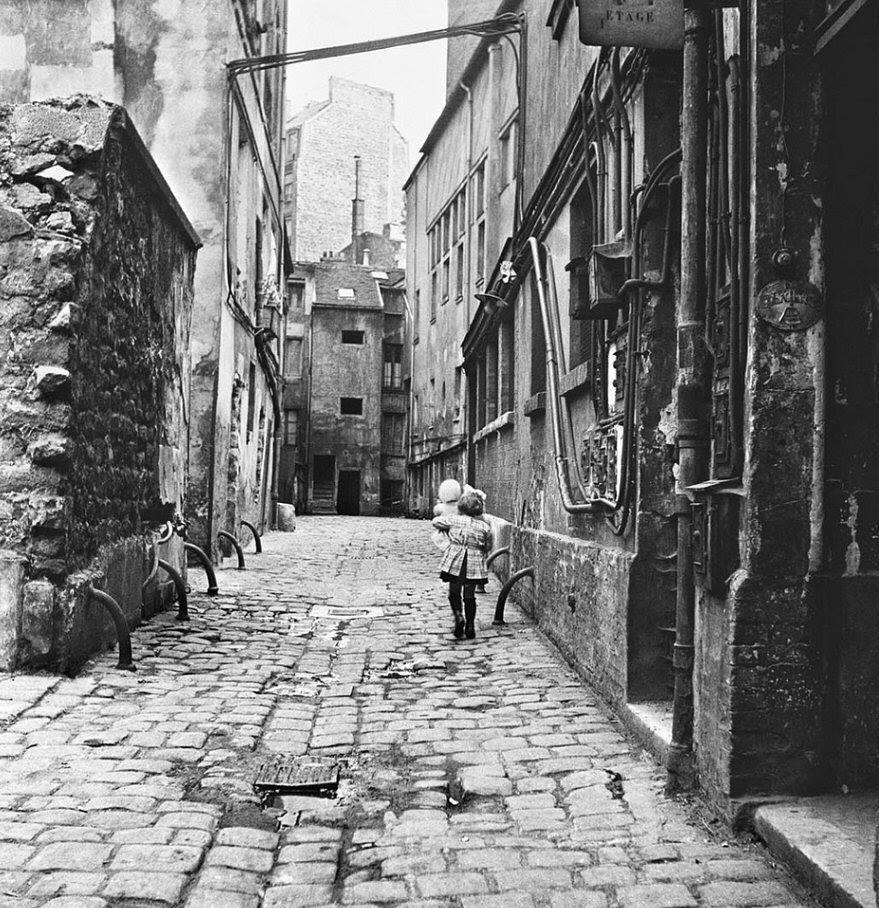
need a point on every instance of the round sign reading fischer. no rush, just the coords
(789, 305)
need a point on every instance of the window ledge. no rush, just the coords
(536, 404)
(505, 419)
(578, 379)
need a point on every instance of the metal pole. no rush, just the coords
(222, 534)
(256, 538)
(180, 587)
(505, 592)
(202, 557)
(123, 634)
(692, 363)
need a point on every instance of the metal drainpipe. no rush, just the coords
(692, 366)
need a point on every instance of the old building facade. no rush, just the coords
(351, 407)
(655, 397)
(348, 327)
(218, 141)
(322, 139)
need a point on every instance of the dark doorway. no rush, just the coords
(850, 634)
(348, 501)
(324, 487)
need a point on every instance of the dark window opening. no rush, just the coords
(352, 337)
(581, 330)
(351, 406)
(506, 364)
(393, 433)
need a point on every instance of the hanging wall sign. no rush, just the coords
(632, 23)
(789, 305)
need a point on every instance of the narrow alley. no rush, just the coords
(481, 774)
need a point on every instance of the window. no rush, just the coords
(291, 428)
(352, 337)
(393, 432)
(297, 294)
(293, 357)
(446, 252)
(477, 196)
(416, 315)
(480, 251)
(351, 406)
(506, 365)
(477, 205)
(581, 330)
(458, 373)
(392, 378)
(491, 379)
(508, 155)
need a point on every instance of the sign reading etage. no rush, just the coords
(632, 23)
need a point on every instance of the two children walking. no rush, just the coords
(465, 536)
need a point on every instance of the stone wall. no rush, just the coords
(97, 262)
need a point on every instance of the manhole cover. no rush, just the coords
(347, 612)
(297, 777)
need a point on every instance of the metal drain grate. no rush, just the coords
(347, 612)
(298, 777)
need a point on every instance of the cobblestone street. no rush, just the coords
(136, 789)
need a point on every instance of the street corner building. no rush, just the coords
(96, 291)
(214, 129)
(644, 292)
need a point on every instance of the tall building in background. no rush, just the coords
(226, 175)
(347, 337)
(322, 140)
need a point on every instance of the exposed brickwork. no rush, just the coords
(357, 120)
(94, 302)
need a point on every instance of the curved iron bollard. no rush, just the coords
(236, 545)
(180, 586)
(153, 570)
(496, 554)
(123, 634)
(505, 592)
(256, 537)
(167, 533)
(202, 557)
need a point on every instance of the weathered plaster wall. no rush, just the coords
(348, 370)
(95, 299)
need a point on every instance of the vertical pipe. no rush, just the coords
(601, 175)
(692, 376)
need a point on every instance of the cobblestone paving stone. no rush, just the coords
(121, 789)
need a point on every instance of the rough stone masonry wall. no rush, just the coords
(96, 266)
